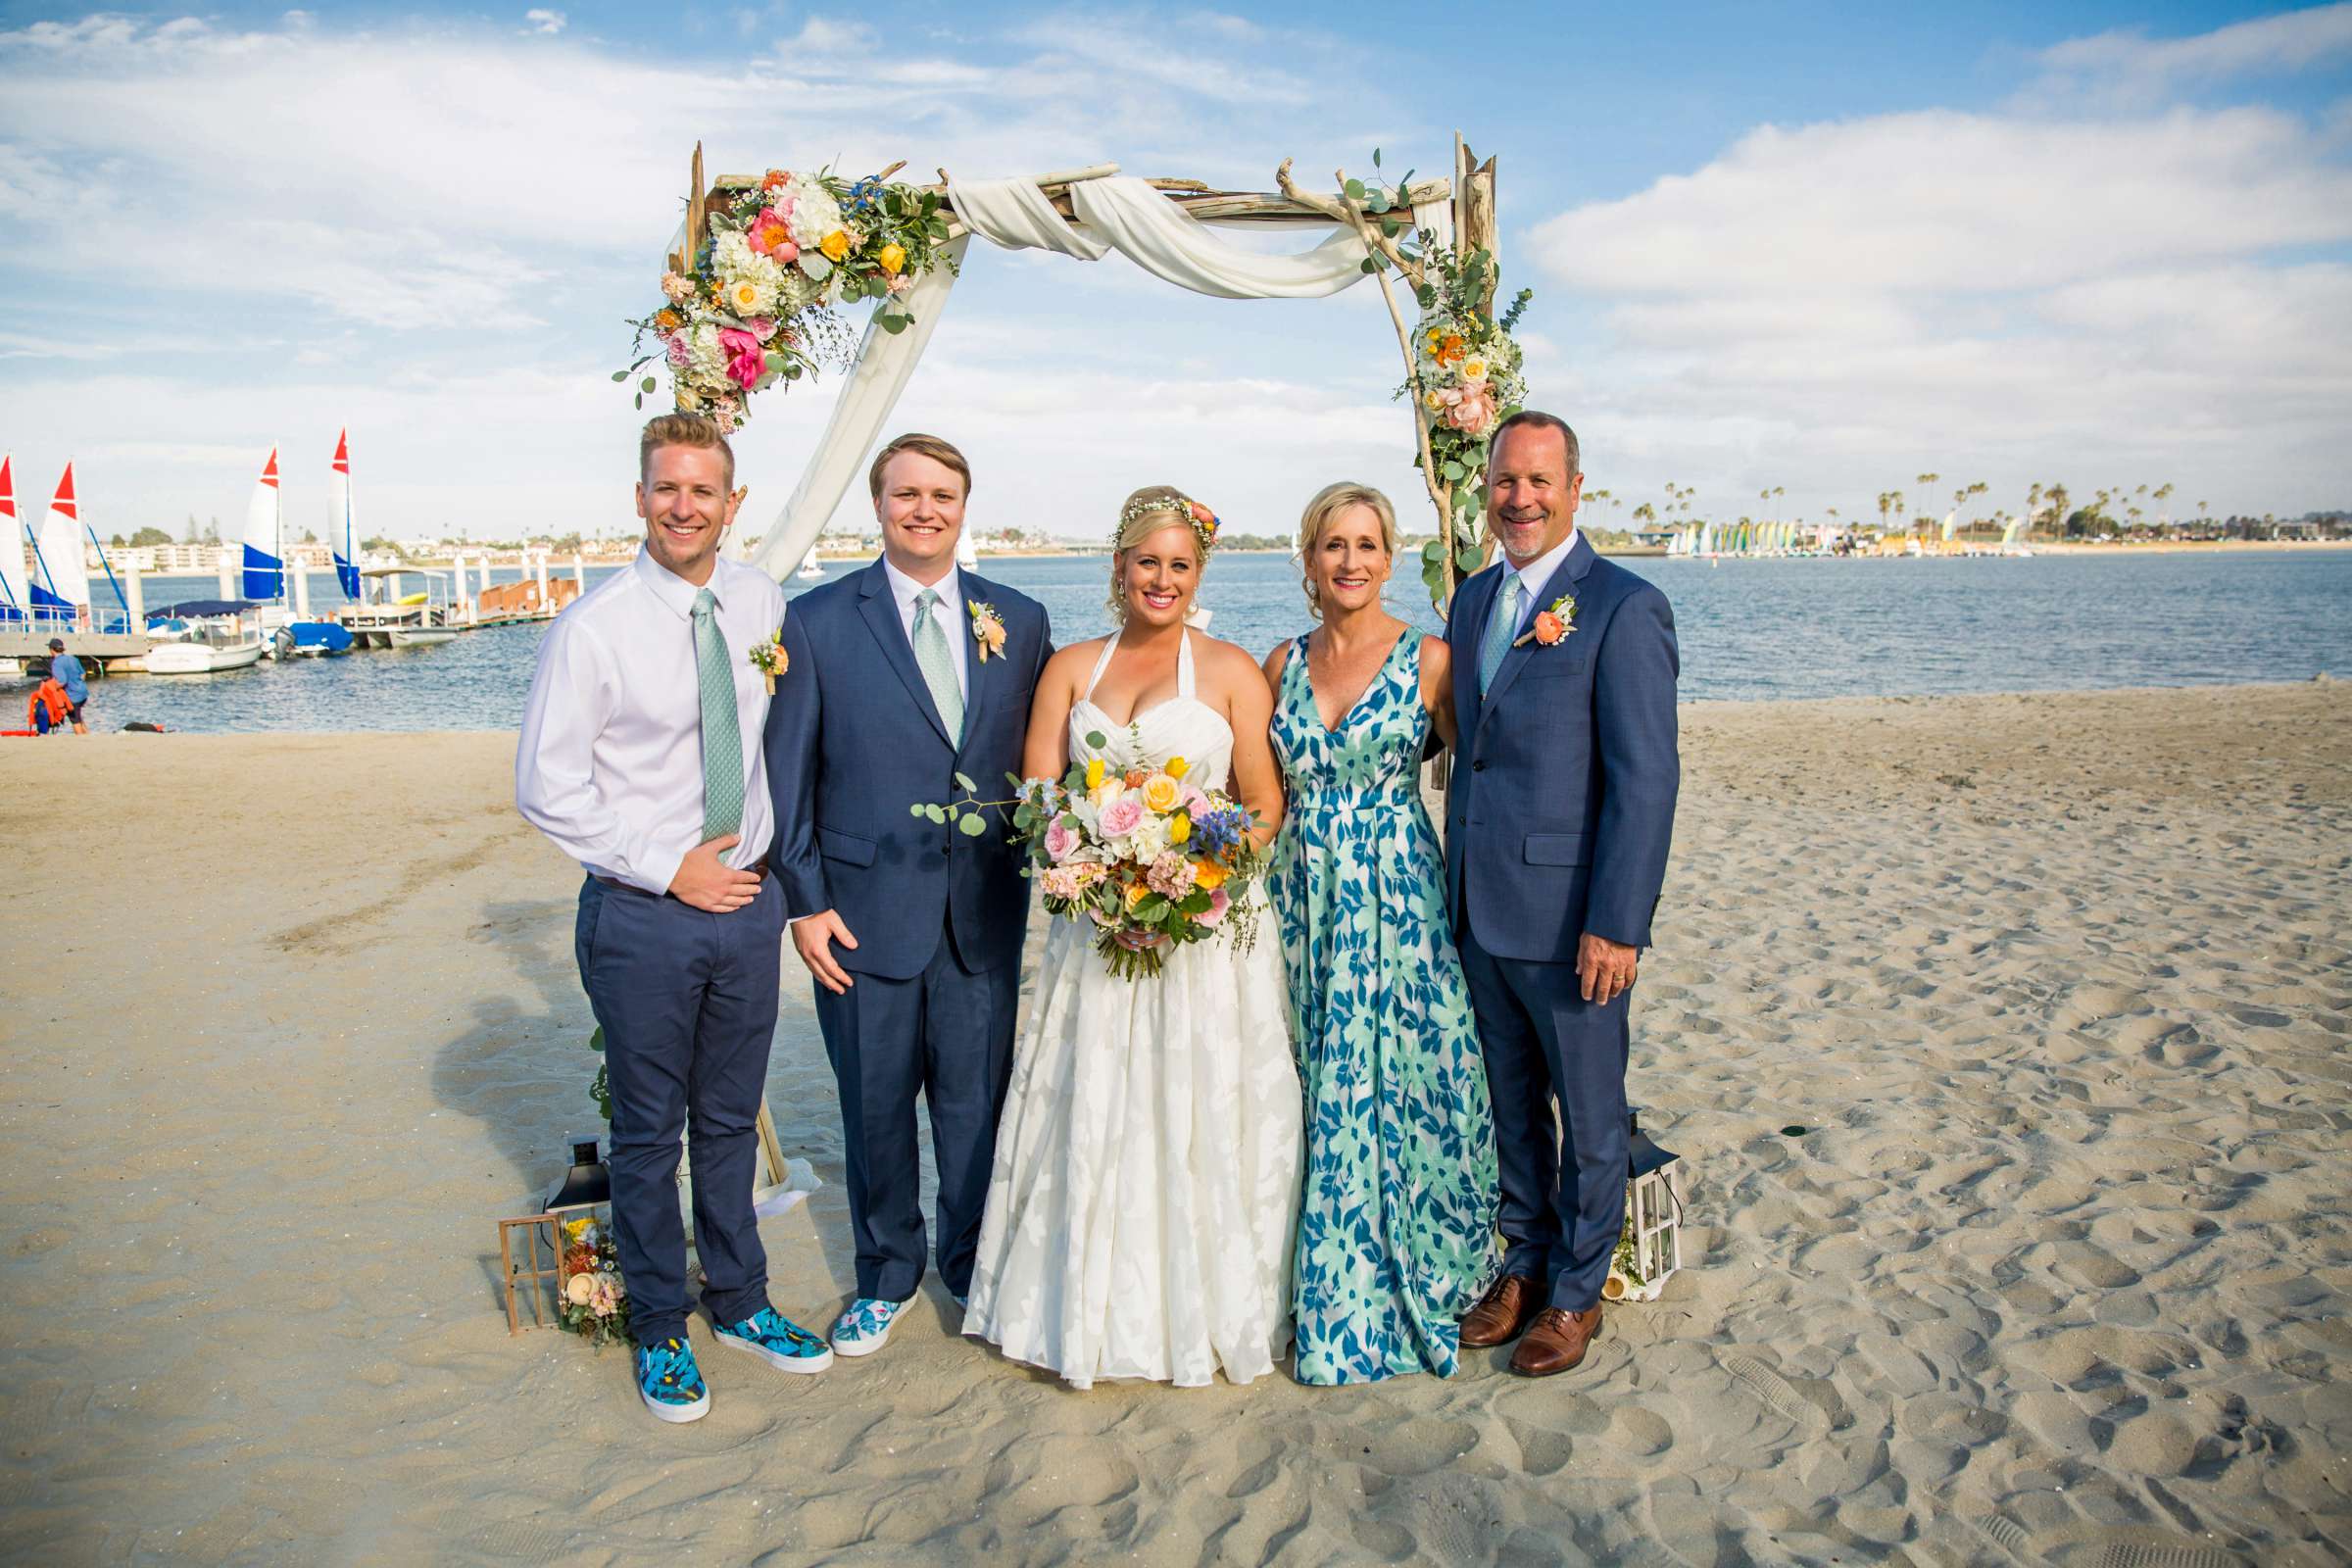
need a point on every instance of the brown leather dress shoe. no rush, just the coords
(1555, 1342)
(1501, 1313)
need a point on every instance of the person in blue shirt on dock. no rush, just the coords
(68, 672)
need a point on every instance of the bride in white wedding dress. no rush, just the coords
(1146, 1185)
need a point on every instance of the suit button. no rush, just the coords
(1479, 766)
(943, 851)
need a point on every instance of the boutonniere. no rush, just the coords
(988, 630)
(1551, 625)
(769, 659)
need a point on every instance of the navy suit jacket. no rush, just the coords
(1566, 770)
(853, 740)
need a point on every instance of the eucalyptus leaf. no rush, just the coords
(1469, 559)
(966, 784)
(1375, 158)
(1355, 190)
(1096, 740)
(937, 813)
(1433, 551)
(596, 1037)
(914, 810)
(646, 385)
(971, 826)
(620, 375)
(895, 325)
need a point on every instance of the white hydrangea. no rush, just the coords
(814, 211)
(705, 359)
(1151, 838)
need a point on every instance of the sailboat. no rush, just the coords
(265, 575)
(340, 531)
(810, 570)
(60, 584)
(16, 587)
(968, 553)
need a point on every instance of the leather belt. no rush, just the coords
(757, 868)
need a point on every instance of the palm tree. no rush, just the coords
(1928, 479)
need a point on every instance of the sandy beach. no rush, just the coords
(2060, 984)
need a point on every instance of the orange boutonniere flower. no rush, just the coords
(1550, 624)
(988, 630)
(769, 659)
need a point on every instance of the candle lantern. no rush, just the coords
(1651, 1249)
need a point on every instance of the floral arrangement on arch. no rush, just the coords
(591, 1301)
(757, 301)
(1152, 861)
(1462, 368)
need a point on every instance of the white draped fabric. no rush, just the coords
(1120, 214)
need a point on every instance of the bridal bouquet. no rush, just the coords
(1151, 861)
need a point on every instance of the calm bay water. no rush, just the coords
(1749, 630)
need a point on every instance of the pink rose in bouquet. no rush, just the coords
(1474, 412)
(1121, 816)
(1218, 902)
(1061, 839)
(679, 352)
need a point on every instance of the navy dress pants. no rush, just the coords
(946, 1035)
(687, 1001)
(1546, 1044)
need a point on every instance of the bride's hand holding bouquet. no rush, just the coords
(1151, 861)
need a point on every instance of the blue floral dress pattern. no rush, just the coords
(1396, 1234)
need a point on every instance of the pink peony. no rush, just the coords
(1061, 841)
(746, 363)
(1121, 816)
(1218, 904)
(761, 327)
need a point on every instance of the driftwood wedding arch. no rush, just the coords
(1436, 237)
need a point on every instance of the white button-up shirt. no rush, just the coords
(611, 761)
(1532, 579)
(949, 613)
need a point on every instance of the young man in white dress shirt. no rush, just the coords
(641, 758)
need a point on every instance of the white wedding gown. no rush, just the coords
(1146, 1187)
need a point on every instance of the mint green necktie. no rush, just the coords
(1499, 633)
(938, 664)
(722, 724)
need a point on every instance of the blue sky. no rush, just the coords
(1823, 250)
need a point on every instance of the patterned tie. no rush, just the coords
(722, 724)
(1499, 633)
(938, 664)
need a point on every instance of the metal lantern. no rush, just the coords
(1651, 1249)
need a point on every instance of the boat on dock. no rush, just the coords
(392, 618)
(204, 644)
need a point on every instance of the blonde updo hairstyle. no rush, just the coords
(1147, 510)
(1325, 509)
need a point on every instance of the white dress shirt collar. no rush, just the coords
(675, 592)
(1537, 573)
(906, 590)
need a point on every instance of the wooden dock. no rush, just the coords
(24, 653)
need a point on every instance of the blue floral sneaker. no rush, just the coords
(866, 1327)
(670, 1382)
(776, 1339)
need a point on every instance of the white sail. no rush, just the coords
(265, 551)
(1951, 524)
(2009, 534)
(16, 585)
(62, 582)
(968, 553)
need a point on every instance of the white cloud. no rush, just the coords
(544, 20)
(1836, 306)
(2291, 41)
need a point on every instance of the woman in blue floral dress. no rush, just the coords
(1397, 1233)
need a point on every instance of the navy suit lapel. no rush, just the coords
(881, 612)
(1562, 580)
(1473, 602)
(983, 677)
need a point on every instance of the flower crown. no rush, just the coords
(1204, 521)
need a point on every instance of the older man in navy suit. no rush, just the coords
(1562, 805)
(899, 678)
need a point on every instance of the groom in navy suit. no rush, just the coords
(898, 677)
(1556, 831)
